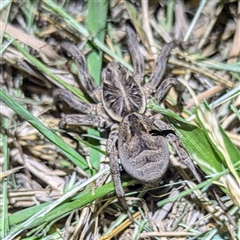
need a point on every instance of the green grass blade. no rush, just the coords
(217, 137)
(229, 154)
(5, 180)
(211, 64)
(96, 24)
(236, 111)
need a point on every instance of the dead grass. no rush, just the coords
(57, 189)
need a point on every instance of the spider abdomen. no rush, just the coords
(144, 156)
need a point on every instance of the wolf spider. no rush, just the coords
(138, 140)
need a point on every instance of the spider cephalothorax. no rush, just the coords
(121, 94)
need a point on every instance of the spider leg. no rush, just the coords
(82, 120)
(115, 170)
(174, 140)
(160, 68)
(73, 102)
(137, 57)
(165, 86)
(87, 82)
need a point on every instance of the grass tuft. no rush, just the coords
(58, 186)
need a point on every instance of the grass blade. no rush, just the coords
(96, 24)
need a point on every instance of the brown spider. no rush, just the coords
(138, 140)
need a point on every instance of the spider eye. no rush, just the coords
(119, 67)
(109, 70)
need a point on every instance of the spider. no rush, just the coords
(139, 141)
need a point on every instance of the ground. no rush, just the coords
(59, 186)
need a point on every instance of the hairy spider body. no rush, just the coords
(139, 141)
